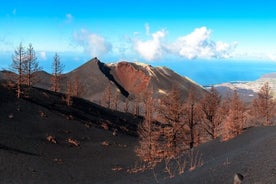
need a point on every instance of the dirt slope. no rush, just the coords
(27, 157)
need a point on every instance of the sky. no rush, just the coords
(169, 33)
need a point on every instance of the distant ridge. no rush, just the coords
(269, 75)
(248, 89)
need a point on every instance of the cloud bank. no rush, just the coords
(94, 44)
(155, 46)
(197, 44)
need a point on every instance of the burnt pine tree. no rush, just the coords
(173, 131)
(74, 88)
(235, 118)
(191, 110)
(148, 135)
(69, 93)
(31, 65)
(57, 68)
(210, 105)
(263, 105)
(18, 61)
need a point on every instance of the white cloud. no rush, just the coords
(92, 43)
(151, 49)
(43, 55)
(198, 44)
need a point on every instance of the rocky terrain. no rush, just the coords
(248, 90)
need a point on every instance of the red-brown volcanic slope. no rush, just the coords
(134, 81)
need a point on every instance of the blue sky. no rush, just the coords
(146, 31)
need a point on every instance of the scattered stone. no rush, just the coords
(238, 178)
(122, 145)
(58, 160)
(11, 116)
(115, 132)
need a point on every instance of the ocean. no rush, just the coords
(215, 72)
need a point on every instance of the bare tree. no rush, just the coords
(148, 135)
(173, 135)
(234, 117)
(74, 88)
(136, 105)
(18, 60)
(69, 93)
(31, 65)
(57, 68)
(263, 106)
(78, 87)
(210, 105)
(106, 97)
(191, 110)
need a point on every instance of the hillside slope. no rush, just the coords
(252, 154)
(27, 157)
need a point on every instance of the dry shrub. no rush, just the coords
(186, 161)
(170, 167)
(105, 143)
(139, 167)
(226, 162)
(195, 159)
(73, 142)
(181, 164)
(51, 139)
(105, 126)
